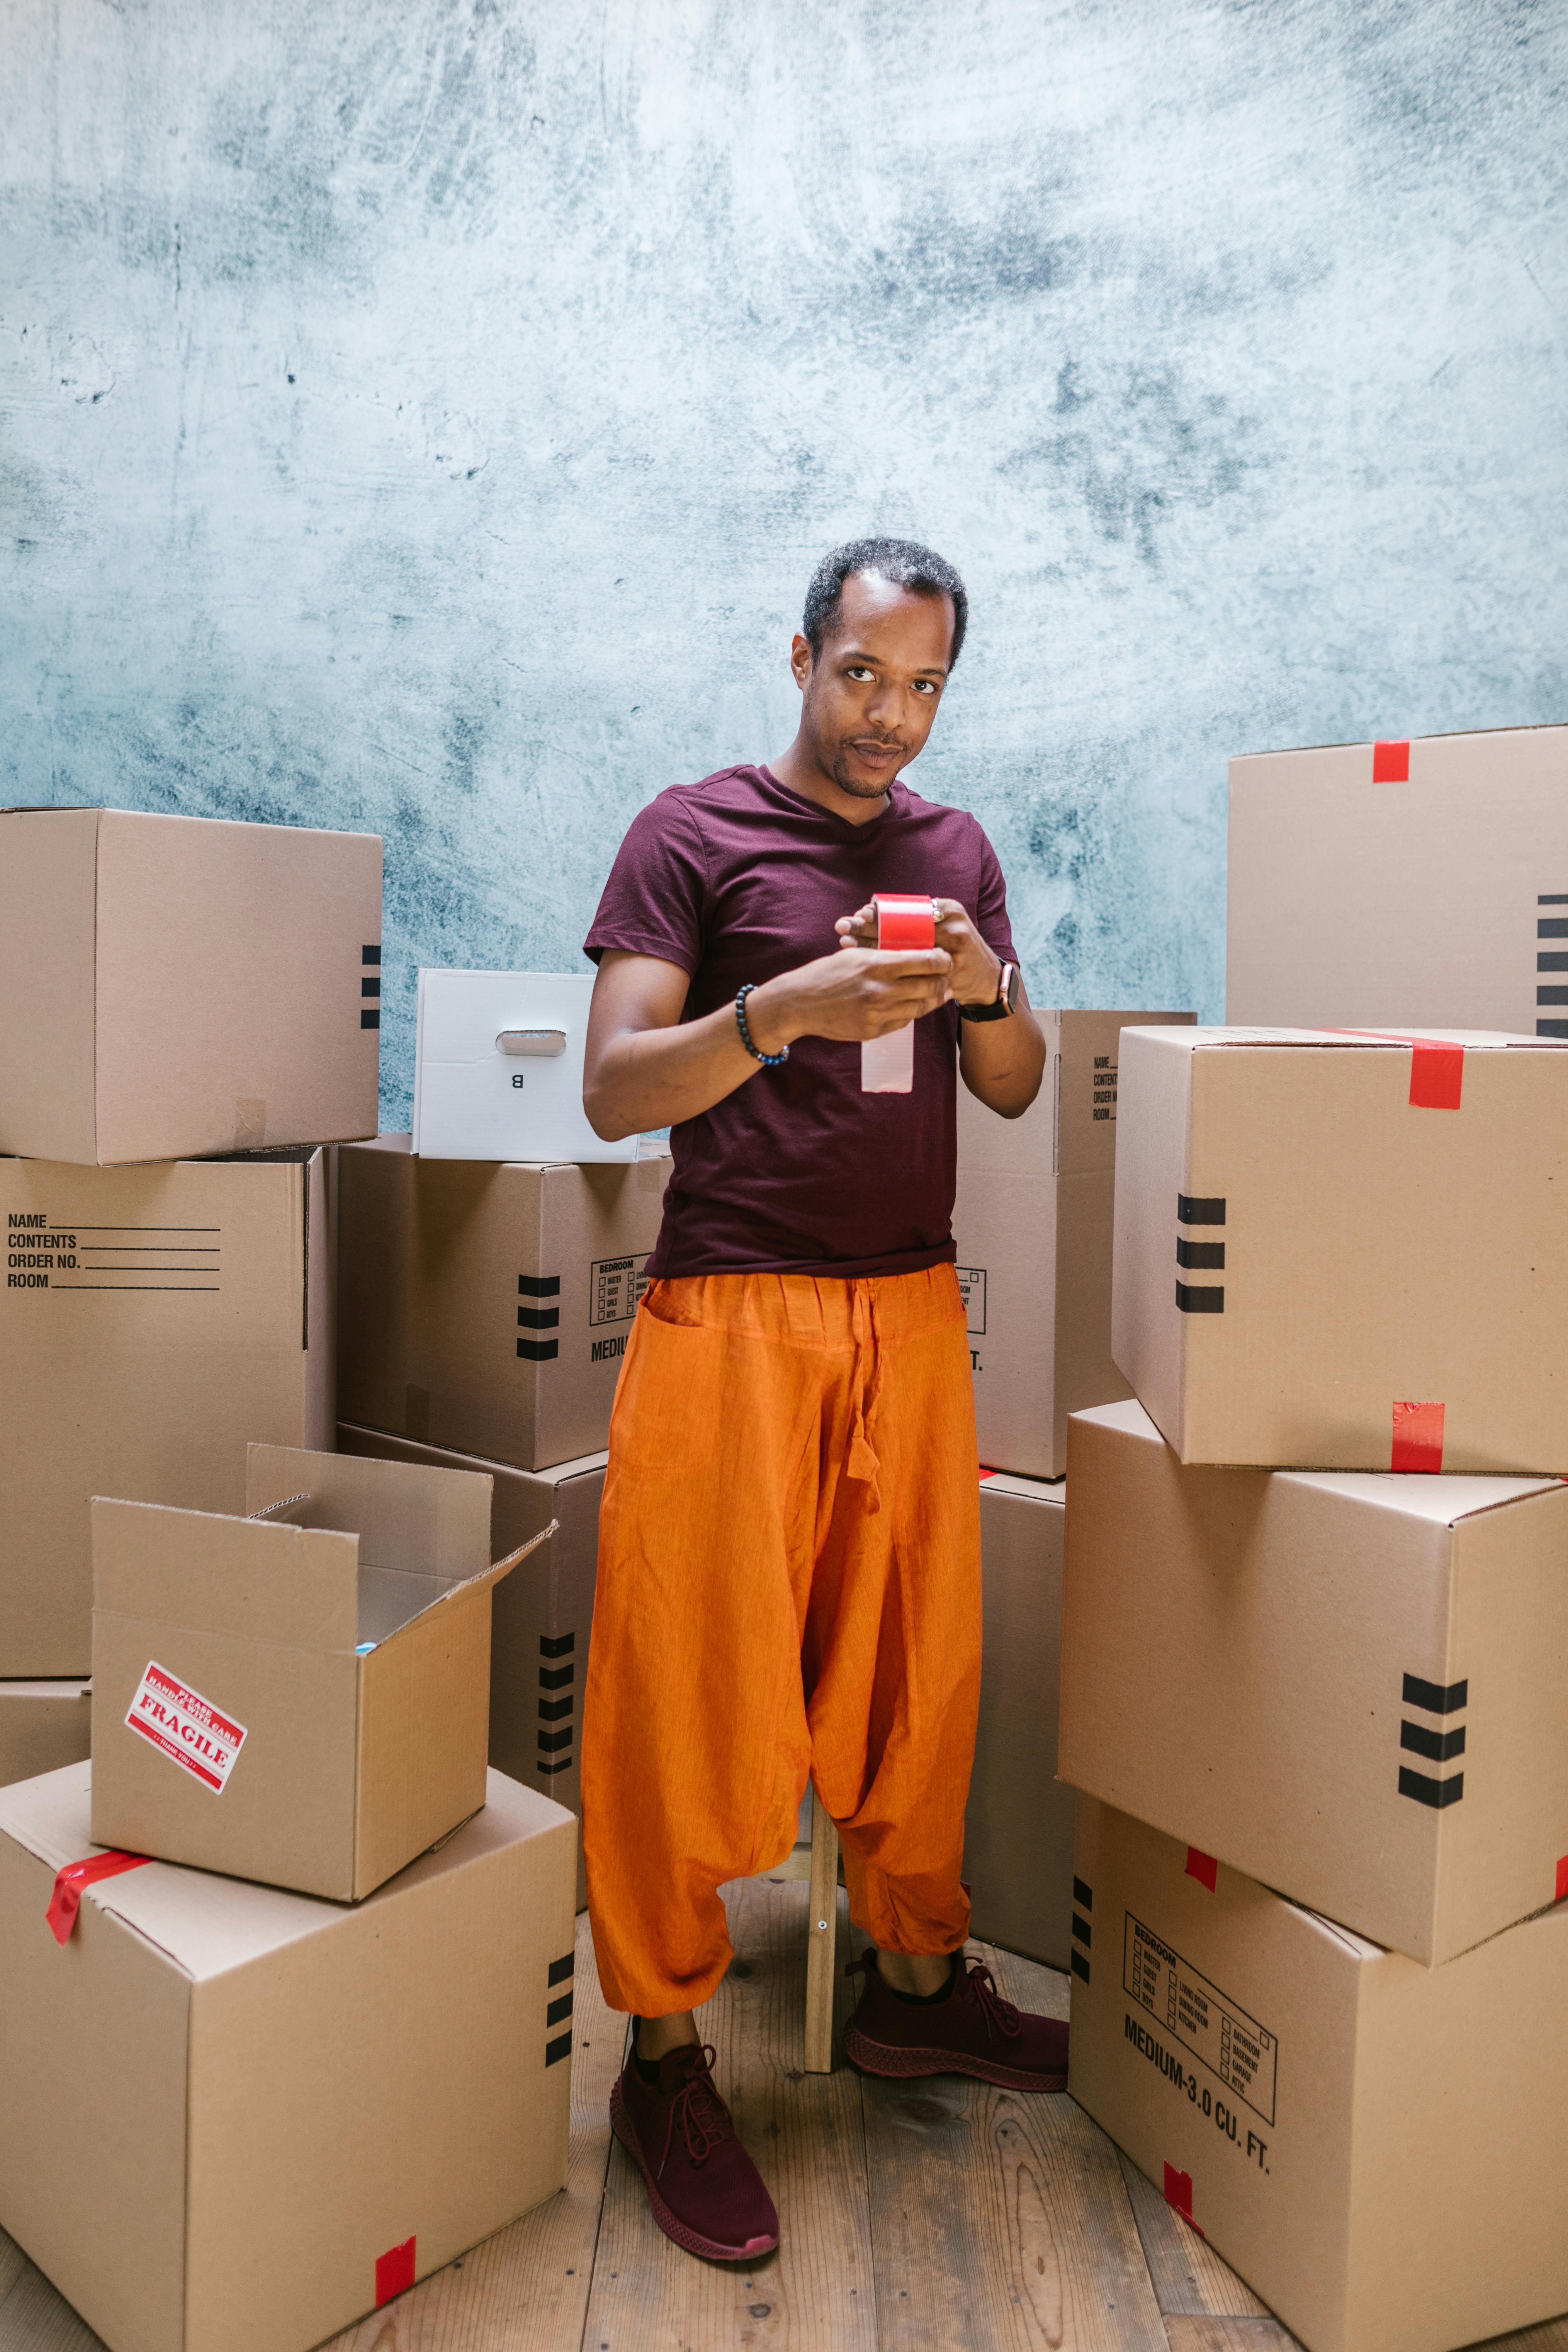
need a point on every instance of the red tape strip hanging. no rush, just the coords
(1203, 1867)
(1562, 1878)
(70, 1882)
(395, 2272)
(904, 921)
(1179, 2194)
(1417, 1437)
(1391, 763)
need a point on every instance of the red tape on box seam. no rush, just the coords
(70, 1883)
(1418, 1438)
(1391, 762)
(1179, 2195)
(1562, 1878)
(395, 2272)
(1436, 1066)
(1203, 1867)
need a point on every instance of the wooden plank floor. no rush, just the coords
(935, 2216)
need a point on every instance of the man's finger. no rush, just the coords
(899, 963)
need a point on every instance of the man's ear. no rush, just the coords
(800, 660)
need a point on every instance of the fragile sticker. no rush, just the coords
(185, 1726)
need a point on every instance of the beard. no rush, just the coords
(852, 784)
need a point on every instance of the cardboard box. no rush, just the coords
(485, 1305)
(498, 1068)
(1345, 1251)
(1032, 1223)
(236, 2118)
(1401, 884)
(541, 1617)
(301, 1697)
(1348, 1686)
(154, 1320)
(43, 1725)
(1379, 2149)
(177, 985)
(1018, 1830)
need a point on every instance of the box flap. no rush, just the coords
(251, 1579)
(470, 1584)
(1474, 1041)
(1028, 1490)
(407, 1515)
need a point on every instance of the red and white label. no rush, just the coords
(185, 1726)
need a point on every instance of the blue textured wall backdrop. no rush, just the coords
(424, 417)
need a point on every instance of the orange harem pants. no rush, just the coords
(789, 1583)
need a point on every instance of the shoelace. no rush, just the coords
(703, 2118)
(979, 1986)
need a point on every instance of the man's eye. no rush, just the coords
(858, 670)
(925, 686)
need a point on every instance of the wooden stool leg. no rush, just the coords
(824, 1928)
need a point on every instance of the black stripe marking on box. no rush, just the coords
(556, 1677)
(1552, 926)
(1080, 1967)
(370, 987)
(559, 2011)
(1552, 899)
(561, 1969)
(1551, 1028)
(539, 1319)
(1553, 960)
(1198, 1299)
(556, 1645)
(562, 1764)
(1201, 1257)
(1551, 996)
(551, 1742)
(370, 1021)
(370, 955)
(1190, 1212)
(1427, 1792)
(551, 1710)
(539, 1351)
(1081, 1894)
(559, 2048)
(1437, 1746)
(1080, 1928)
(1437, 1698)
(539, 1286)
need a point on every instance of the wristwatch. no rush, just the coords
(1009, 988)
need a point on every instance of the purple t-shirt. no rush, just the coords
(799, 1172)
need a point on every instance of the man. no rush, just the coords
(789, 1550)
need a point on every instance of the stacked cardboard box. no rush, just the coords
(1312, 1707)
(485, 1308)
(290, 1649)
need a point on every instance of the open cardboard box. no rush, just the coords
(301, 1697)
(42, 1724)
(237, 2118)
(1345, 1251)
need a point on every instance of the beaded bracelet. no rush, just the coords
(769, 1060)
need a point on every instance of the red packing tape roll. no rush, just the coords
(904, 921)
(70, 1882)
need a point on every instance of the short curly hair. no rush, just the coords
(904, 562)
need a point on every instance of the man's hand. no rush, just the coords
(975, 972)
(857, 993)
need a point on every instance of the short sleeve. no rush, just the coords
(991, 906)
(654, 902)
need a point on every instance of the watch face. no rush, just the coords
(1014, 988)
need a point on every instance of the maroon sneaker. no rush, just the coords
(973, 2032)
(705, 2192)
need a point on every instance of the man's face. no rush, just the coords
(871, 695)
